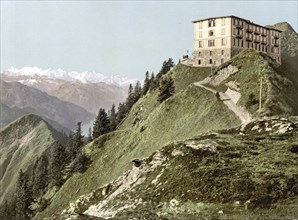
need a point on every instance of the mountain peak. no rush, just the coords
(283, 26)
(83, 77)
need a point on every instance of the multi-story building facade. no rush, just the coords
(218, 39)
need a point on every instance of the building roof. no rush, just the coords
(232, 16)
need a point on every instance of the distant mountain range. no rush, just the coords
(32, 100)
(75, 96)
(36, 74)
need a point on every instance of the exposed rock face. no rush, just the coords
(213, 174)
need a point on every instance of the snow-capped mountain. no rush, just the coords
(89, 90)
(83, 77)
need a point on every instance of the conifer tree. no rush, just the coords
(89, 135)
(81, 162)
(137, 92)
(57, 163)
(121, 112)
(166, 89)
(101, 124)
(130, 98)
(24, 198)
(146, 84)
(166, 67)
(78, 142)
(40, 175)
(152, 84)
(113, 118)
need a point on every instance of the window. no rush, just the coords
(223, 41)
(223, 31)
(241, 43)
(223, 21)
(211, 43)
(200, 25)
(200, 53)
(247, 44)
(221, 60)
(238, 42)
(210, 53)
(200, 44)
(210, 61)
(222, 52)
(199, 62)
(211, 23)
(234, 41)
(211, 33)
(200, 34)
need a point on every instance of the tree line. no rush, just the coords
(52, 169)
(107, 122)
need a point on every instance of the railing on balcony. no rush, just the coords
(264, 33)
(249, 29)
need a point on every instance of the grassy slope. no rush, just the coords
(22, 142)
(148, 127)
(255, 167)
(278, 91)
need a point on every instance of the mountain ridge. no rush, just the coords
(15, 94)
(22, 142)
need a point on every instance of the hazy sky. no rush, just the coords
(116, 38)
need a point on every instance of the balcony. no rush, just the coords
(239, 36)
(248, 38)
(264, 33)
(276, 44)
(239, 25)
(257, 40)
(249, 29)
(264, 42)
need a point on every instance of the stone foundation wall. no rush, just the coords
(216, 57)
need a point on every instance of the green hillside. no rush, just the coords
(21, 143)
(219, 175)
(147, 128)
(191, 111)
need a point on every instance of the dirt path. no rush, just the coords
(241, 113)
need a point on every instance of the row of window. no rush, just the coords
(257, 46)
(211, 62)
(212, 22)
(211, 53)
(211, 43)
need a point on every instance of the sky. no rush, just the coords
(125, 38)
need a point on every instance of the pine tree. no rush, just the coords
(146, 86)
(166, 67)
(77, 142)
(166, 89)
(101, 124)
(121, 112)
(81, 162)
(130, 98)
(152, 84)
(89, 135)
(113, 118)
(57, 164)
(40, 175)
(24, 198)
(137, 92)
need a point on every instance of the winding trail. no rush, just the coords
(240, 112)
